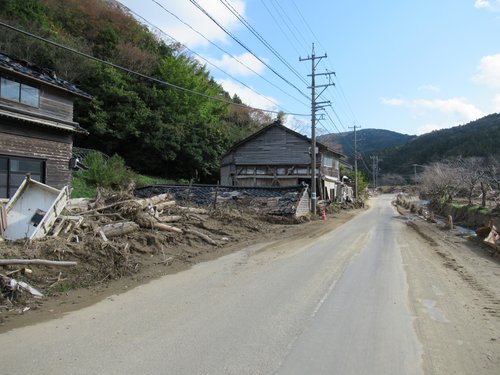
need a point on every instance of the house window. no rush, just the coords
(328, 161)
(13, 171)
(19, 92)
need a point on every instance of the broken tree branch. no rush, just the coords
(204, 237)
(40, 262)
(165, 227)
(119, 229)
(170, 218)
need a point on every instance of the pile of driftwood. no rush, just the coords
(101, 239)
(126, 216)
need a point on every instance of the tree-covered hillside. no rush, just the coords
(157, 129)
(478, 138)
(369, 140)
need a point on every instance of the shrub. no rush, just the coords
(109, 173)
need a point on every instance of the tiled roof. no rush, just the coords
(31, 70)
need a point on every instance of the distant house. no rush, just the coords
(279, 156)
(36, 125)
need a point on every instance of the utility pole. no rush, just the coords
(315, 105)
(355, 160)
(374, 166)
(376, 160)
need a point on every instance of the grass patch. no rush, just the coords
(144, 180)
(83, 189)
(80, 187)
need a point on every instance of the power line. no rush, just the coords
(279, 26)
(197, 5)
(228, 53)
(137, 73)
(282, 15)
(306, 24)
(261, 39)
(201, 57)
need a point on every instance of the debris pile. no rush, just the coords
(115, 235)
(279, 201)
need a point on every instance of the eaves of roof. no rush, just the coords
(61, 125)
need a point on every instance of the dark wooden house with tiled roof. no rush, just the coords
(279, 156)
(36, 125)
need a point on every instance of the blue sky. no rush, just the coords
(408, 66)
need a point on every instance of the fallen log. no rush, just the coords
(118, 229)
(162, 205)
(41, 262)
(106, 207)
(170, 218)
(193, 210)
(166, 227)
(153, 201)
(197, 217)
(203, 236)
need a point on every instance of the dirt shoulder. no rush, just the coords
(109, 268)
(454, 290)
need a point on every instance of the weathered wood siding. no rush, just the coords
(225, 177)
(24, 140)
(56, 103)
(53, 104)
(273, 147)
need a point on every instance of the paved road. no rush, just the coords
(337, 304)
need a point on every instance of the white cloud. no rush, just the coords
(233, 67)
(493, 5)
(249, 97)
(187, 12)
(489, 71)
(461, 110)
(393, 101)
(482, 4)
(429, 127)
(431, 88)
(456, 106)
(496, 103)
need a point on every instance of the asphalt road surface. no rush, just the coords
(370, 297)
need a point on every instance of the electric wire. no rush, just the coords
(156, 80)
(228, 53)
(285, 14)
(306, 24)
(201, 57)
(303, 46)
(261, 39)
(197, 5)
(279, 26)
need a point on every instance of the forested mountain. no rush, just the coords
(477, 138)
(398, 152)
(157, 129)
(369, 140)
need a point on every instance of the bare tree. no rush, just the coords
(392, 179)
(471, 172)
(491, 178)
(440, 181)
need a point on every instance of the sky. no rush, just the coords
(409, 66)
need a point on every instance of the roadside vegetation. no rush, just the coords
(111, 173)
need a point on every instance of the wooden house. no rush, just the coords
(36, 125)
(279, 156)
